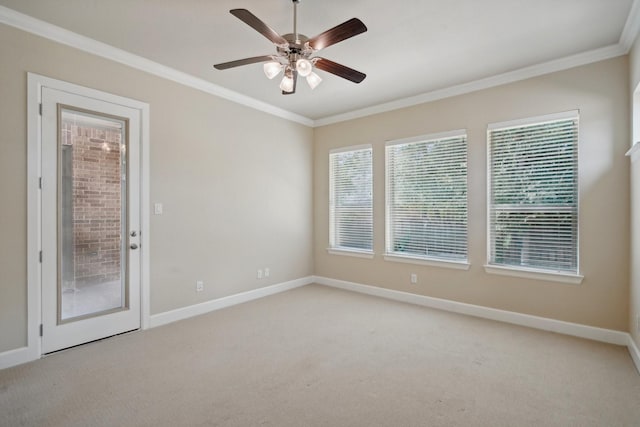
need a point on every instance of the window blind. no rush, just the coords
(351, 199)
(533, 206)
(427, 197)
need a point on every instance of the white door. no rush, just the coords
(90, 219)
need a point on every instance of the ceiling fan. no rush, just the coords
(294, 51)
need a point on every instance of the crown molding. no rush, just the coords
(60, 35)
(561, 64)
(52, 32)
(629, 34)
(631, 27)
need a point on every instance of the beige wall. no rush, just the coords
(237, 188)
(236, 183)
(634, 298)
(600, 92)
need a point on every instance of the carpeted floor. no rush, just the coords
(317, 356)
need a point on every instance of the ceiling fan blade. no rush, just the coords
(295, 84)
(245, 61)
(254, 22)
(341, 32)
(339, 70)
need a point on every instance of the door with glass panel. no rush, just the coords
(90, 219)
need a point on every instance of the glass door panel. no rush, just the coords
(92, 194)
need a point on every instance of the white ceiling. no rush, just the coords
(412, 47)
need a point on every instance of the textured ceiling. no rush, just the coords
(411, 47)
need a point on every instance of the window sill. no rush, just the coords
(634, 152)
(457, 265)
(573, 279)
(351, 252)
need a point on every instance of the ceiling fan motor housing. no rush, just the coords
(297, 49)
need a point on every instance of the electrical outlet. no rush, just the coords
(199, 286)
(267, 272)
(259, 274)
(414, 278)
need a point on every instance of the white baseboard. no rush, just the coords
(634, 352)
(15, 357)
(552, 325)
(24, 354)
(208, 306)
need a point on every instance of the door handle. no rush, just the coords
(133, 246)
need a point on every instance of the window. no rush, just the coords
(533, 194)
(427, 197)
(351, 199)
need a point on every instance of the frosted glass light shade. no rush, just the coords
(287, 83)
(271, 69)
(304, 67)
(313, 80)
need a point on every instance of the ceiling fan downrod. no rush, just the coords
(295, 20)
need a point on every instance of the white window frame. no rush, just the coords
(410, 258)
(333, 249)
(518, 271)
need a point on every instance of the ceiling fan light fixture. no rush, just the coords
(313, 80)
(287, 82)
(304, 67)
(272, 69)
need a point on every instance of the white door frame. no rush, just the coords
(35, 83)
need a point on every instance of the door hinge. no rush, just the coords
(40, 108)
(40, 183)
(40, 256)
(40, 329)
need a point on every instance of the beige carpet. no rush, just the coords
(317, 356)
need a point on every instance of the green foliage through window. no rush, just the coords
(427, 198)
(534, 195)
(351, 199)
